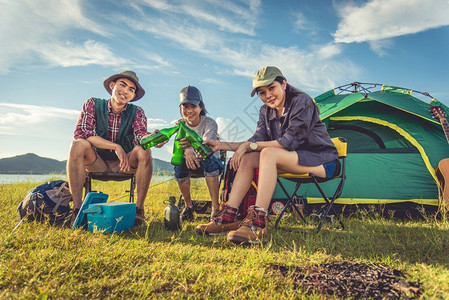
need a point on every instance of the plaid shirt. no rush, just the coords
(85, 127)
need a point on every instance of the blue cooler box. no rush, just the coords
(110, 216)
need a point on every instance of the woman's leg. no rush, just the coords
(276, 160)
(212, 184)
(243, 178)
(184, 188)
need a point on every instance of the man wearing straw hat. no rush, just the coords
(107, 137)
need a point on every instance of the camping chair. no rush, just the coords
(108, 176)
(203, 206)
(293, 199)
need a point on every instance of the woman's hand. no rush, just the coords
(192, 161)
(214, 144)
(234, 162)
(184, 143)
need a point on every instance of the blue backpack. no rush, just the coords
(48, 202)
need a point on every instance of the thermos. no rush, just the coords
(172, 220)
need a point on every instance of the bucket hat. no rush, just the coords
(128, 75)
(265, 76)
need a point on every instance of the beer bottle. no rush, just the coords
(178, 152)
(194, 139)
(158, 137)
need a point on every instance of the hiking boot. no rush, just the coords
(75, 213)
(140, 217)
(252, 230)
(225, 221)
(187, 214)
(214, 214)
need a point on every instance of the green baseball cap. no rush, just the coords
(265, 76)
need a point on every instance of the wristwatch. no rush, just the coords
(253, 146)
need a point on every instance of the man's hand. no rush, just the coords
(123, 157)
(192, 161)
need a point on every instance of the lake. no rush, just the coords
(15, 178)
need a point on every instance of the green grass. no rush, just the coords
(41, 261)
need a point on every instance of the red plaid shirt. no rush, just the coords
(85, 127)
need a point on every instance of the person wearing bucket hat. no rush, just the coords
(106, 139)
(193, 112)
(290, 138)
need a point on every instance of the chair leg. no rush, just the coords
(131, 189)
(290, 204)
(87, 185)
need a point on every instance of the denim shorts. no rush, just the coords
(332, 168)
(212, 166)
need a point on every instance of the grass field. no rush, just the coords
(41, 261)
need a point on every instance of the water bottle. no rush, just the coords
(172, 219)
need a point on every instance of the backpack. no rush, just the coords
(47, 202)
(275, 207)
(249, 198)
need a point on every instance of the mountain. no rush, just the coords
(33, 164)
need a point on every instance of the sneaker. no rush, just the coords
(252, 229)
(187, 214)
(75, 213)
(140, 217)
(225, 221)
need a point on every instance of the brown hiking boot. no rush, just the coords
(252, 230)
(140, 217)
(225, 221)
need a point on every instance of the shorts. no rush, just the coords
(112, 166)
(332, 168)
(212, 166)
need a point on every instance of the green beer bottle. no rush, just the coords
(194, 139)
(158, 137)
(178, 152)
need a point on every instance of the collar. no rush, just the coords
(110, 107)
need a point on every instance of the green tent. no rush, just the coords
(394, 145)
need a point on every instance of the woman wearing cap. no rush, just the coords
(290, 138)
(193, 113)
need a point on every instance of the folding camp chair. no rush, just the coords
(323, 213)
(107, 176)
(203, 206)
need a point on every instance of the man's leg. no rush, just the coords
(142, 161)
(81, 154)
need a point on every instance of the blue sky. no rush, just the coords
(55, 55)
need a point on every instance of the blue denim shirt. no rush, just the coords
(298, 129)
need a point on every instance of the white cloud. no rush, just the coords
(383, 19)
(380, 46)
(23, 119)
(153, 124)
(313, 70)
(69, 55)
(27, 27)
(227, 16)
